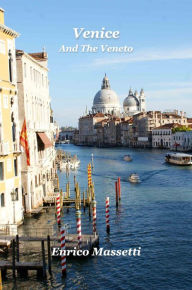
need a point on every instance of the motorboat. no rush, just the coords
(127, 158)
(134, 178)
(182, 159)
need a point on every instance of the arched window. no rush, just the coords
(10, 66)
(16, 194)
(2, 199)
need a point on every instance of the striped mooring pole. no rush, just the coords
(78, 216)
(63, 255)
(107, 215)
(58, 209)
(94, 216)
(89, 175)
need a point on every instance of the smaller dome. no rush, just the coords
(130, 101)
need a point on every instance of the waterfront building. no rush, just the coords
(106, 100)
(144, 123)
(111, 133)
(134, 103)
(34, 107)
(162, 135)
(11, 210)
(126, 132)
(66, 134)
(88, 129)
(181, 141)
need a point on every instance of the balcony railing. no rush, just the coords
(4, 148)
(16, 147)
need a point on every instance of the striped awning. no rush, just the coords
(45, 140)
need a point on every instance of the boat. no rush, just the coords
(127, 158)
(182, 159)
(134, 178)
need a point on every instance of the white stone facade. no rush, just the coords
(34, 106)
(181, 141)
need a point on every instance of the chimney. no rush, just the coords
(1, 16)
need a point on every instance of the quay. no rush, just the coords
(88, 243)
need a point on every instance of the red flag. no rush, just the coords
(24, 141)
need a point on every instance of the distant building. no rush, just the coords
(34, 106)
(66, 134)
(87, 128)
(144, 123)
(181, 141)
(162, 135)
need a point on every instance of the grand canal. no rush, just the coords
(155, 215)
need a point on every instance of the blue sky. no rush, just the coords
(159, 31)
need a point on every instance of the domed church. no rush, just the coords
(106, 100)
(134, 103)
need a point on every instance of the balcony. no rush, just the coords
(4, 148)
(16, 147)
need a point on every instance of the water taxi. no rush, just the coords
(134, 178)
(127, 158)
(179, 158)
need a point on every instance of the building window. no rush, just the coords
(15, 167)
(2, 199)
(10, 66)
(25, 70)
(16, 194)
(1, 171)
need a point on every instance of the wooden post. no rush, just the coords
(116, 191)
(74, 178)
(119, 187)
(13, 258)
(61, 199)
(49, 254)
(68, 189)
(17, 247)
(1, 284)
(43, 258)
(84, 201)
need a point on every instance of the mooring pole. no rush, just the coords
(17, 247)
(116, 191)
(43, 258)
(78, 220)
(13, 258)
(94, 216)
(119, 187)
(63, 255)
(107, 215)
(49, 254)
(1, 284)
(84, 200)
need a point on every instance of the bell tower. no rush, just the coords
(142, 104)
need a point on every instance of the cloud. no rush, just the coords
(145, 56)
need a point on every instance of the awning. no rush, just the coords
(45, 140)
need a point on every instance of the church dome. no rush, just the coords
(131, 103)
(106, 96)
(106, 100)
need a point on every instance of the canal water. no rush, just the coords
(155, 215)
